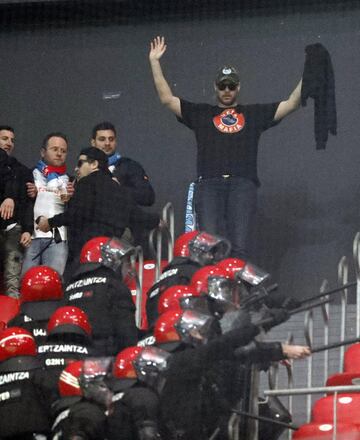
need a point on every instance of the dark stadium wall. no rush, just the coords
(70, 77)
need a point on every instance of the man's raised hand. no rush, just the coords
(157, 48)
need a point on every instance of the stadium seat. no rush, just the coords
(352, 359)
(340, 379)
(148, 281)
(324, 431)
(348, 409)
(9, 308)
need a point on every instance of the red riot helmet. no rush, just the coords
(140, 363)
(202, 247)
(86, 378)
(41, 283)
(181, 245)
(91, 251)
(109, 252)
(199, 280)
(181, 297)
(189, 326)
(231, 266)
(123, 367)
(16, 341)
(69, 384)
(69, 319)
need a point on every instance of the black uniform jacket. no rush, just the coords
(22, 408)
(108, 303)
(181, 397)
(179, 271)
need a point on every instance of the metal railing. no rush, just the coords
(166, 229)
(325, 293)
(157, 235)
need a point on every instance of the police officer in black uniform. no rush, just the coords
(41, 293)
(80, 413)
(23, 412)
(69, 339)
(136, 407)
(98, 289)
(192, 251)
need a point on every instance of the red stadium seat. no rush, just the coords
(324, 431)
(343, 379)
(347, 408)
(352, 359)
(9, 308)
(148, 281)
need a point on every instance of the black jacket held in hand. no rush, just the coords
(100, 206)
(319, 83)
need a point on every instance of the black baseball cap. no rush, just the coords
(229, 74)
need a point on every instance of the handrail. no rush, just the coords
(326, 317)
(343, 275)
(356, 258)
(168, 215)
(313, 390)
(166, 229)
(138, 257)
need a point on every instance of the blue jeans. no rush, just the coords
(12, 258)
(227, 207)
(54, 256)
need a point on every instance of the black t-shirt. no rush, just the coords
(227, 138)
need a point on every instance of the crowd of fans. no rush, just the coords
(50, 215)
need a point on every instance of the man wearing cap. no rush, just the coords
(100, 206)
(227, 136)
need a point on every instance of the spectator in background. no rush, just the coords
(51, 191)
(227, 136)
(128, 173)
(15, 212)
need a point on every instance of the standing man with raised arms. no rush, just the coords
(227, 136)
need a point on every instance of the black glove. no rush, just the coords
(274, 318)
(291, 303)
(278, 300)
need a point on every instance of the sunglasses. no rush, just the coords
(223, 86)
(81, 162)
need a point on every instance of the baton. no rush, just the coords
(309, 307)
(293, 312)
(329, 292)
(335, 345)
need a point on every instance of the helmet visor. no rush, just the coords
(198, 303)
(224, 292)
(196, 327)
(252, 274)
(150, 365)
(207, 249)
(92, 381)
(114, 252)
